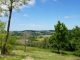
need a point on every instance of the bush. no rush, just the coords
(77, 53)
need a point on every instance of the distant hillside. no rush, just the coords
(33, 32)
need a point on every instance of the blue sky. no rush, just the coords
(44, 14)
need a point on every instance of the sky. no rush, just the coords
(44, 14)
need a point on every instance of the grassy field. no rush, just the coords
(36, 54)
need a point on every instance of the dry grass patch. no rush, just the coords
(28, 58)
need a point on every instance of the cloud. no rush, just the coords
(29, 5)
(67, 16)
(76, 16)
(32, 2)
(24, 6)
(25, 15)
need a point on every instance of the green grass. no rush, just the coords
(33, 53)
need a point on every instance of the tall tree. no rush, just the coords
(10, 5)
(61, 35)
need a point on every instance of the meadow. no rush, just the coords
(33, 53)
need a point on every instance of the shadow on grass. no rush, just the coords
(13, 55)
(67, 53)
(76, 54)
(62, 53)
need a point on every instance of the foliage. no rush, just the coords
(45, 43)
(2, 26)
(75, 38)
(15, 4)
(11, 42)
(2, 37)
(2, 32)
(60, 36)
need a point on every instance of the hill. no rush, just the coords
(33, 32)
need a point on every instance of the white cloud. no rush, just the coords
(32, 2)
(67, 17)
(24, 6)
(76, 16)
(25, 15)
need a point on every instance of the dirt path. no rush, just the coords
(28, 58)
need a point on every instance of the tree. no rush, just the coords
(60, 35)
(75, 40)
(11, 43)
(2, 32)
(52, 41)
(2, 36)
(26, 36)
(10, 5)
(45, 43)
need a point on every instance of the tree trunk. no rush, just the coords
(25, 46)
(58, 50)
(4, 49)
